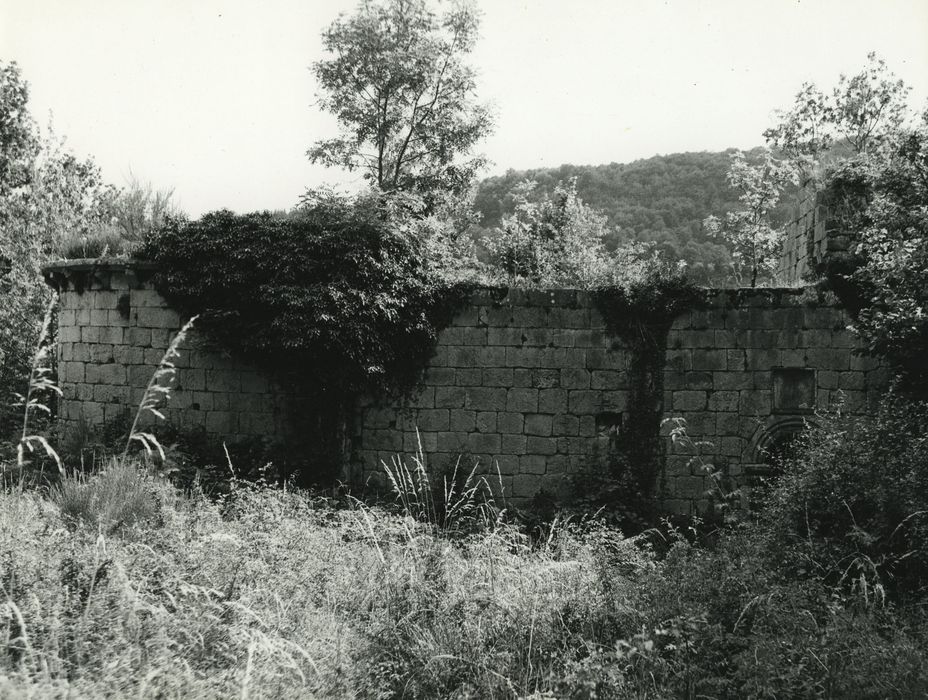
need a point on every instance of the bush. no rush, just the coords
(852, 504)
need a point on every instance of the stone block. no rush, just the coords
(732, 380)
(452, 335)
(507, 464)
(689, 400)
(474, 336)
(510, 422)
(723, 401)
(552, 400)
(486, 399)
(150, 317)
(128, 355)
(535, 445)
(506, 336)
(521, 377)
(484, 443)
(69, 334)
(108, 393)
(512, 444)
(587, 426)
(538, 337)
(468, 377)
(679, 360)
(111, 374)
(525, 485)
(105, 300)
(439, 376)
(727, 423)
(450, 442)
(433, 419)
(852, 381)
(673, 380)
(522, 400)
(530, 317)
(89, 334)
(161, 338)
(100, 353)
(735, 360)
(538, 424)
(546, 378)
(608, 380)
(532, 464)
(497, 377)
(424, 399)
(575, 378)
(565, 424)
(462, 356)
(485, 422)
(202, 401)
(829, 358)
(450, 396)
(494, 356)
(762, 359)
(698, 380)
(607, 358)
(756, 402)
(581, 401)
(462, 421)
(709, 359)
(614, 401)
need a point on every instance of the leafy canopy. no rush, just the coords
(403, 96)
(753, 239)
(337, 295)
(556, 240)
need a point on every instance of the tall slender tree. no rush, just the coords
(397, 82)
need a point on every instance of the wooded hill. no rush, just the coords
(661, 201)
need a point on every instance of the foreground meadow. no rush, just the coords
(120, 584)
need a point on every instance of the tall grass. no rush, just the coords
(464, 501)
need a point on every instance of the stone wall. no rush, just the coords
(533, 383)
(526, 381)
(114, 328)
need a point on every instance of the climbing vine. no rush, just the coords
(336, 299)
(640, 315)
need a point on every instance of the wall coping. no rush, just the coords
(97, 273)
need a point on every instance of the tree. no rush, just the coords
(754, 241)
(860, 116)
(891, 282)
(555, 240)
(18, 137)
(397, 83)
(45, 193)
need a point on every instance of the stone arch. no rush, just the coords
(771, 439)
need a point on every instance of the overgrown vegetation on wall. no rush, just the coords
(336, 298)
(639, 315)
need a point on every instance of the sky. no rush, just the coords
(216, 100)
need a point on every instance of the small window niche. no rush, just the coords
(793, 390)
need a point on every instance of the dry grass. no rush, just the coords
(273, 594)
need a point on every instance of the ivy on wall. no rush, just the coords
(336, 298)
(640, 316)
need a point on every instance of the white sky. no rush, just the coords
(215, 99)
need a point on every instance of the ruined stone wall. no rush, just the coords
(526, 381)
(114, 328)
(533, 383)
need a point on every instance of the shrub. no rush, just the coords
(852, 505)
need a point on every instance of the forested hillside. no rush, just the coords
(661, 201)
